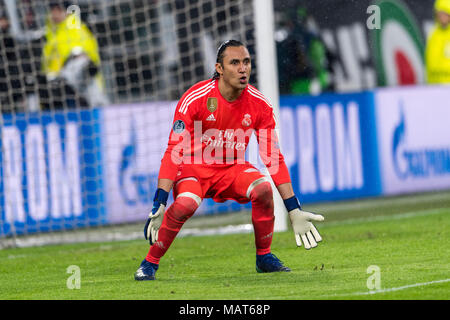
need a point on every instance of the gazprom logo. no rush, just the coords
(410, 162)
(398, 142)
(135, 184)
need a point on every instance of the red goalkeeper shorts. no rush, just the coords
(219, 182)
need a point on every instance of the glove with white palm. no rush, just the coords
(304, 230)
(155, 217)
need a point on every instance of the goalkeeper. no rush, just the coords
(211, 129)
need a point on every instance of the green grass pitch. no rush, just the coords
(406, 238)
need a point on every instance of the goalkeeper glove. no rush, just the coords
(156, 216)
(304, 230)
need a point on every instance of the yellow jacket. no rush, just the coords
(62, 38)
(437, 56)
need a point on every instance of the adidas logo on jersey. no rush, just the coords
(211, 118)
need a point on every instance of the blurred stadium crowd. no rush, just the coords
(67, 54)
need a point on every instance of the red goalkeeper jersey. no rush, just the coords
(210, 131)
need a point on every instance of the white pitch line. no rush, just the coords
(399, 216)
(365, 293)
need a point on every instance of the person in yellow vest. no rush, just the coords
(71, 54)
(437, 54)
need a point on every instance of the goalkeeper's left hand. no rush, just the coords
(155, 217)
(304, 230)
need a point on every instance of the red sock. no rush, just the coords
(263, 217)
(174, 218)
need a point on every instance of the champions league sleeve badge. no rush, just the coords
(178, 126)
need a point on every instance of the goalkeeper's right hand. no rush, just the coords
(304, 230)
(155, 217)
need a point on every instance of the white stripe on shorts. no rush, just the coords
(254, 184)
(192, 196)
(187, 179)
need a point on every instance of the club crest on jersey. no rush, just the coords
(211, 104)
(247, 121)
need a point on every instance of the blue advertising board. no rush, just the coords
(50, 172)
(330, 147)
(413, 138)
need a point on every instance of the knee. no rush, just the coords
(262, 194)
(184, 207)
